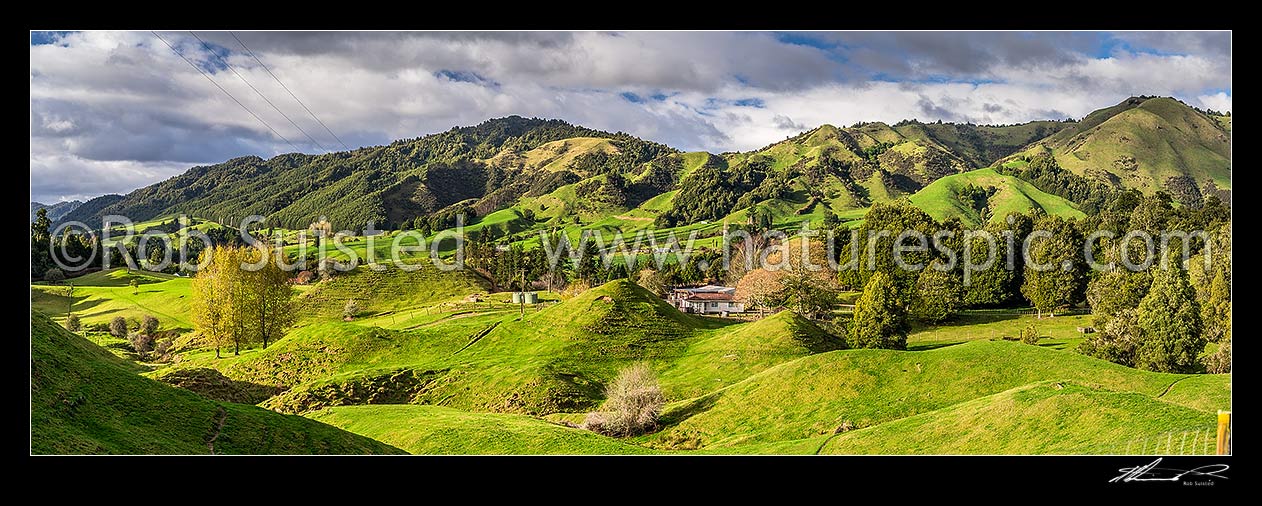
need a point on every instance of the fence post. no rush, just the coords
(1224, 432)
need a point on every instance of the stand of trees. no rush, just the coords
(234, 306)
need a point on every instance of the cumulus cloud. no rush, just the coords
(112, 111)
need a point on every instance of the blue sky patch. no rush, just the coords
(465, 76)
(46, 38)
(631, 97)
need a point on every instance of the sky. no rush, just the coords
(116, 111)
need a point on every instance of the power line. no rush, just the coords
(291, 93)
(256, 91)
(225, 92)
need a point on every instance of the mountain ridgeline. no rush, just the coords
(549, 172)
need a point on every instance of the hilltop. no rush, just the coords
(1148, 143)
(982, 196)
(55, 211)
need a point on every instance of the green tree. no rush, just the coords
(992, 285)
(54, 275)
(212, 299)
(1116, 340)
(1030, 334)
(41, 260)
(135, 286)
(1116, 290)
(880, 321)
(589, 264)
(882, 227)
(1171, 322)
(269, 310)
(1213, 284)
(1054, 275)
(1216, 312)
(807, 296)
(937, 296)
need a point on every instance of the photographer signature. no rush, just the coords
(1151, 472)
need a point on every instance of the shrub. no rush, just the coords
(54, 275)
(118, 327)
(1220, 361)
(633, 402)
(162, 349)
(72, 323)
(149, 325)
(305, 278)
(141, 343)
(1030, 334)
(350, 310)
(135, 286)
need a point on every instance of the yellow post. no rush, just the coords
(1224, 432)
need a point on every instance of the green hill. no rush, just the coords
(445, 431)
(729, 354)
(55, 211)
(1046, 418)
(86, 401)
(383, 184)
(1146, 143)
(553, 360)
(981, 145)
(390, 290)
(100, 296)
(947, 198)
(817, 394)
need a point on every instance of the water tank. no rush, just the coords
(532, 298)
(516, 297)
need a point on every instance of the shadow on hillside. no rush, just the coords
(715, 322)
(978, 318)
(689, 409)
(932, 346)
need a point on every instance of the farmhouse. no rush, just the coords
(711, 299)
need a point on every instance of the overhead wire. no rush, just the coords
(225, 92)
(291, 93)
(256, 91)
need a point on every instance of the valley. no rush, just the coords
(379, 359)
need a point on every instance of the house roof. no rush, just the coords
(709, 296)
(707, 289)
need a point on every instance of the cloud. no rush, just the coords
(111, 111)
(57, 178)
(1220, 101)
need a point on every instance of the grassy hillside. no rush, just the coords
(1143, 143)
(556, 359)
(100, 296)
(1045, 418)
(817, 394)
(942, 198)
(445, 431)
(383, 292)
(981, 145)
(729, 354)
(85, 400)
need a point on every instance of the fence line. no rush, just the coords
(1188, 442)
